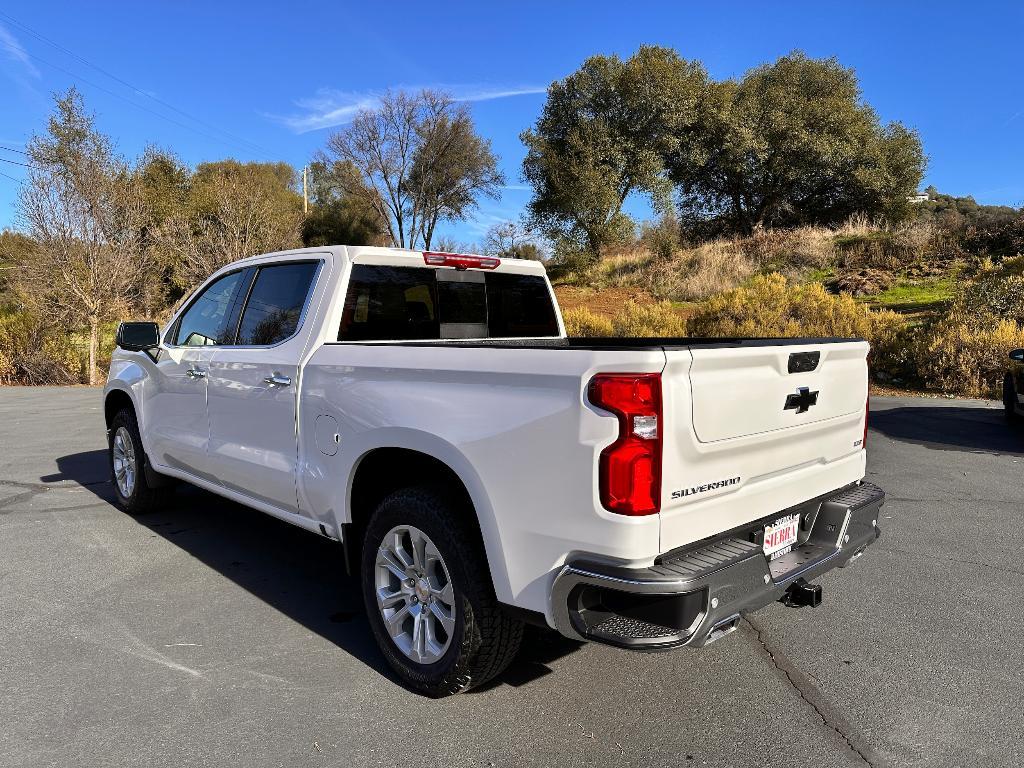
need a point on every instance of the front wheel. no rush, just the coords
(135, 494)
(429, 597)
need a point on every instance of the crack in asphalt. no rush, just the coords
(810, 693)
(35, 489)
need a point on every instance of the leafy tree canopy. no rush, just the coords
(793, 143)
(336, 217)
(603, 135)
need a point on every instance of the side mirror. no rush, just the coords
(1017, 355)
(138, 337)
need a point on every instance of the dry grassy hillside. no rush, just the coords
(939, 316)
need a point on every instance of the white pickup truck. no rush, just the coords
(481, 470)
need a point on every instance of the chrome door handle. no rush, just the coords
(195, 373)
(277, 380)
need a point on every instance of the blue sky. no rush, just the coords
(269, 80)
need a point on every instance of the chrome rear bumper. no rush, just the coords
(696, 596)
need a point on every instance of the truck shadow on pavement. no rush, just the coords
(952, 428)
(299, 574)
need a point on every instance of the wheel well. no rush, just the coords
(386, 470)
(116, 402)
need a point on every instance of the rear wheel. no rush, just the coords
(429, 597)
(1010, 400)
(135, 494)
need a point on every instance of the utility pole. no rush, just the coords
(305, 194)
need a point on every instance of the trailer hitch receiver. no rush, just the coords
(801, 593)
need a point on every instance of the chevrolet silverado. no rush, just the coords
(482, 470)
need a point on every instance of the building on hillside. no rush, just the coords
(920, 197)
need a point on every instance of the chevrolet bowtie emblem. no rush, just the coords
(801, 401)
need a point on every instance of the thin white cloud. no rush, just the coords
(14, 51)
(329, 108)
(1012, 117)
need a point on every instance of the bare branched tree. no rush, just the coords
(452, 166)
(417, 161)
(83, 210)
(512, 240)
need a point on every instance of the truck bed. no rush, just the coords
(613, 342)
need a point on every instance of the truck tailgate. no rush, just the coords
(752, 428)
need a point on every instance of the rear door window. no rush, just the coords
(275, 303)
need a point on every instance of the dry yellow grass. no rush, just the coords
(696, 272)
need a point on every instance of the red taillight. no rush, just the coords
(460, 260)
(630, 468)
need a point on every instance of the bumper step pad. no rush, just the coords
(634, 629)
(709, 586)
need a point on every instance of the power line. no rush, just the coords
(12, 149)
(23, 165)
(135, 88)
(115, 95)
(16, 181)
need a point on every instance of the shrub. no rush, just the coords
(661, 238)
(580, 321)
(570, 263)
(921, 245)
(995, 296)
(770, 306)
(999, 238)
(958, 356)
(877, 249)
(790, 251)
(32, 353)
(648, 320)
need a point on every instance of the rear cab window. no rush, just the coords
(388, 303)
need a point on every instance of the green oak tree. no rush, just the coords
(603, 135)
(793, 143)
(231, 210)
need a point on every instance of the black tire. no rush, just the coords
(144, 496)
(1010, 400)
(485, 639)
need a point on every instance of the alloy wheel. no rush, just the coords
(124, 462)
(415, 594)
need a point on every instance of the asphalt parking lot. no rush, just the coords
(211, 635)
